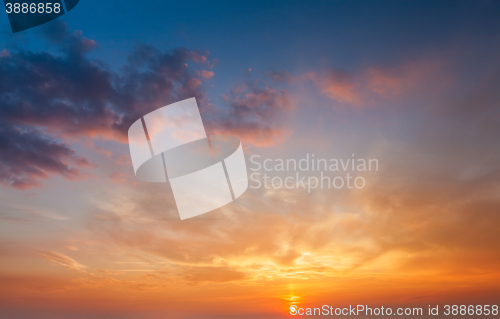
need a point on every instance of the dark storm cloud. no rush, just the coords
(76, 95)
(70, 95)
(29, 154)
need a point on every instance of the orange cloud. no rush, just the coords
(336, 85)
(364, 88)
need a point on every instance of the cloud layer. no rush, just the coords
(48, 100)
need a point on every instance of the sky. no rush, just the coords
(414, 85)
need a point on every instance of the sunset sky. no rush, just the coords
(415, 85)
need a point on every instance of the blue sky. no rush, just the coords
(292, 35)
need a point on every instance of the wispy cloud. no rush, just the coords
(62, 260)
(370, 86)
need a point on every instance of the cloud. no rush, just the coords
(236, 241)
(211, 274)
(423, 213)
(281, 76)
(373, 85)
(62, 260)
(118, 177)
(29, 155)
(337, 85)
(255, 112)
(206, 74)
(47, 100)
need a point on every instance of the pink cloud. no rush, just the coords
(118, 177)
(336, 85)
(206, 74)
(364, 88)
(194, 83)
(254, 114)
